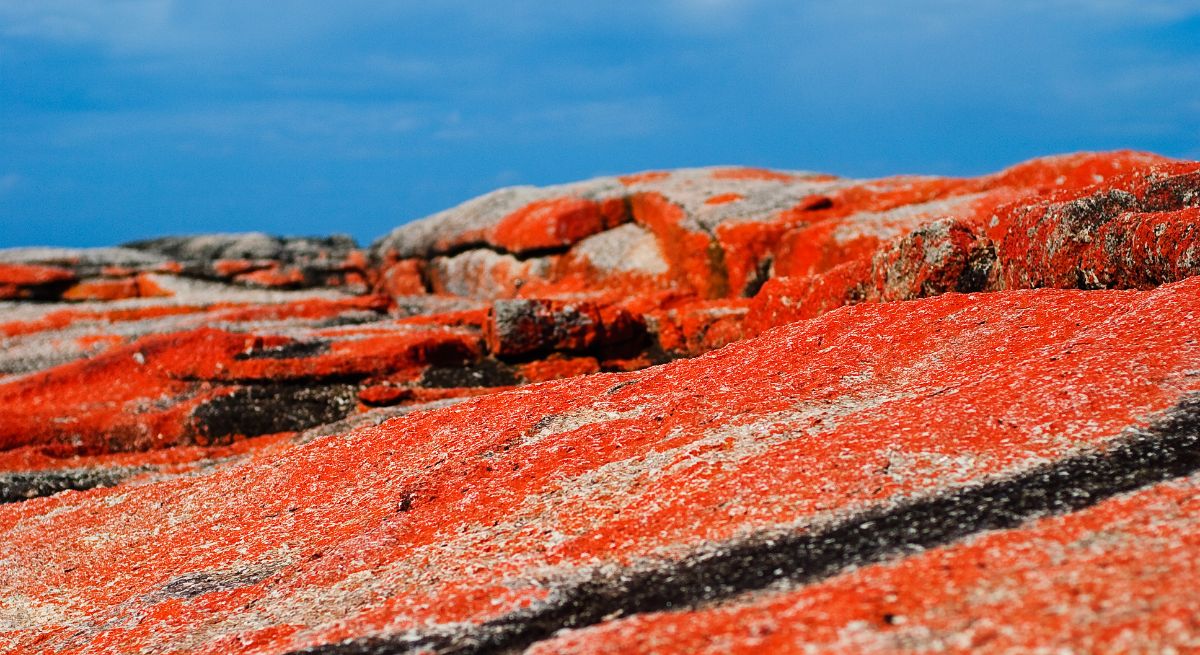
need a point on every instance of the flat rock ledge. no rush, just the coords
(723, 410)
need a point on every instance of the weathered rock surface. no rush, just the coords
(934, 414)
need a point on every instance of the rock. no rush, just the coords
(705, 410)
(555, 223)
(521, 327)
(403, 278)
(253, 260)
(89, 261)
(26, 281)
(141, 285)
(628, 249)
(1137, 232)
(484, 274)
(248, 246)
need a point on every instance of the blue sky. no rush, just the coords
(122, 119)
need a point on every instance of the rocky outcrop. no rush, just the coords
(720, 409)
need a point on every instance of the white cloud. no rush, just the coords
(120, 24)
(180, 26)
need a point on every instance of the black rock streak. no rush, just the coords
(1169, 448)
(23, 485)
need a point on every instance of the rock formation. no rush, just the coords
(706, 410)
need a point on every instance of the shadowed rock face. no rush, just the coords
(722, 409)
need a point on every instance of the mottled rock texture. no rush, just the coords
(708, 410)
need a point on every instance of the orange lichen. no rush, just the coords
(459, 451)
(643, 178)
(724, 199)
(752, 174)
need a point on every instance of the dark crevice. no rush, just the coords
(486, 372)
(24, 485)
(45, 292)
(979, 271)
(1168, 448)
(269, 409)
(198, 583)
(522, 255)
(762, 273)
(290, 350)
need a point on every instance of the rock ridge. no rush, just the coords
(721, 409)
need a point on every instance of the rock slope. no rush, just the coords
(706, 410)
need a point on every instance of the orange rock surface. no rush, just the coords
(704, 410)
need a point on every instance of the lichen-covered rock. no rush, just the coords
(25, 281)
(914, 413)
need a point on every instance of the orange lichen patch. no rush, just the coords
(1115, 577)
(273, 277)
(402, 278)
(761, 174)
(102, 341)
(577, 275)
(164, 460)
(1145, 249)
(451, 514)
(59, 319)
(529, 326)
(724, 199)
(643, 178)
(354, 281)
(308, 309)
(106, 289)
(381, 395)
(23, 281)
(938, 257)
(1159, 184)
(1132, 231)
(691, 328)
(875, 196)
(456, 515)
(813, 249)
(356, 260)
(747, 247)
(1075, 171)
(147, 287)
(694, 259)
(424, 395)
(113, 402)
(23, 275)
(786, 299)
(233, 267)
(851, 223)
(836, 234)
(140, 396)
(1132, 249)
(311, 309)
(555, 223)
(557, 368)
(102, 289)
(363, 356)
(864, 359)
(117, 271)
